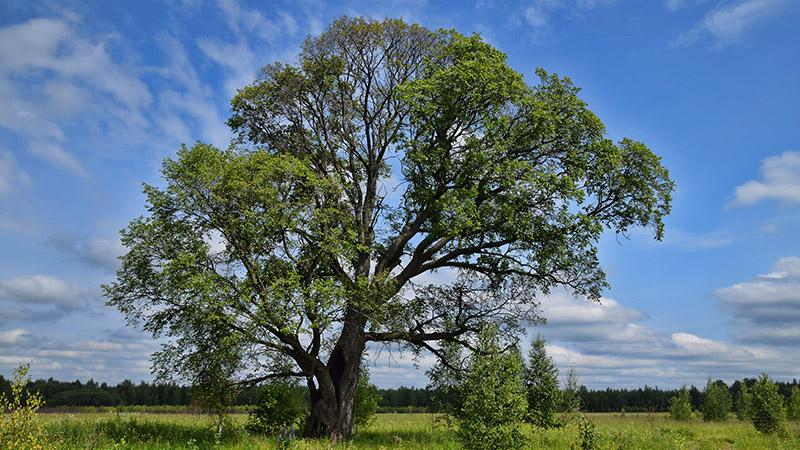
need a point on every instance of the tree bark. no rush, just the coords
(332, 400)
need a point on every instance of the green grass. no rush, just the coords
(401, 431)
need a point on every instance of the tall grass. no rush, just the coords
(403, 431)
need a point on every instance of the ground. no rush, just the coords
(403, 431)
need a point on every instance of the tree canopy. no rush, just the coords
(388, 153)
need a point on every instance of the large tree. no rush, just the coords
(387, 153)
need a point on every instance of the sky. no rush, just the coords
(94, 95)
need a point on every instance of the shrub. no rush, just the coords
(365, 403)
(540, 378)
(19, 427)
(794, 404)
(280, 404)
(766, 406)
(716, 401)
(586, 432)
(494, 402)
(680, 406)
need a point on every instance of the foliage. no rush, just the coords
(446, 382)
(717, 401)
(540, 378)
(767, 411)
(287, 245)
(570, 400)
(19, 427)
(680, 406)
(494, 398)
(366, 399)
(212, 387)
(742, 402)
(793, 406)
(280, 404)
(586, 433)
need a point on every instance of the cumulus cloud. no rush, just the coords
(98, 253)
(45, 290)
(780, 180)
(729, 23)
(767, 308)
(107, 357)
(609, 344)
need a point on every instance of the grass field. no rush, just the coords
(402, 431)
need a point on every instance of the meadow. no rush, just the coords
(402, 431)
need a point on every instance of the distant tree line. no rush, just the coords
(92, 393)
(126, 393)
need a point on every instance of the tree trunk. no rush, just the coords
(333, 398)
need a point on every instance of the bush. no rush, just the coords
(280, 404)
(586, 431)
(766, 406)
(680, 406)
(365, 403)
(716, 401)
(794, 404)
(19, 427)
(494, 402)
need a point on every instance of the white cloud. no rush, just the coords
(11, 176)
(767, 309)
(96, 252)
(12, 337)
(683, 239)
(106, 357)
(780, 180)
(609, 346)
(538, 14)
(729, 23)
(49, 73)
(238, 60)
(57, 156)
(44, 289)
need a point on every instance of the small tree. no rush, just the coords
(680, 405)
(570, 399)
(494, 401)
(716, 401)
(19, 428)
(366, 398)
(766, 406)
(446, 382)
(794, 404)
(541, 384)
(280, 404)
(742, 403)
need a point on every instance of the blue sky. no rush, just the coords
(94, 95)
